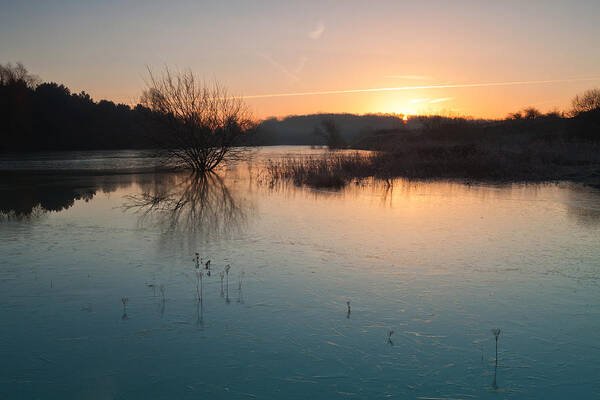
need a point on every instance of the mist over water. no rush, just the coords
(438, 264)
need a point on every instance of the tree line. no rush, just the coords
(201, 125)
(37, 116)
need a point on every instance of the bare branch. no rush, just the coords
(203, 125)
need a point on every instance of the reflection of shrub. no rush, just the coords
(180, 202)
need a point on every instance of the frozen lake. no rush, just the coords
(99, 296)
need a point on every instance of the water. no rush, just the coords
(440, 264)
(123, 160)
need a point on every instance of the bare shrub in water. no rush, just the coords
(203, 125)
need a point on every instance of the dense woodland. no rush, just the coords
(48, 116)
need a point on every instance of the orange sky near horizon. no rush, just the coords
(475, 100)
(467, 58)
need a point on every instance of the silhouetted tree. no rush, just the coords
(587, 101)
(10, 74)
(515, 115)
(328, 130)
(531, 113)
(203, 125)
(554, 114)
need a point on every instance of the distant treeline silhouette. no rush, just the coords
(38, 116)
(374, 131)
(316, 129)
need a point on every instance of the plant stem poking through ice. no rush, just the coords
(349, 310)
(227, 268)
(496, 333)
(124, 300)
(390, 333)
(199, 276)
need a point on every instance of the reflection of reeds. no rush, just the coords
(389, 340)
(199, 313)
(349, 310)
(222, 276)
(240, 298)
(199, 276)
(163, 299)
(195, 204)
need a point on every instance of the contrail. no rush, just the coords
(394, 89)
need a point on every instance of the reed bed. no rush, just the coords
(443, 160)
(332, 170)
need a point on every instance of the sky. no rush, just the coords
(470, 58)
